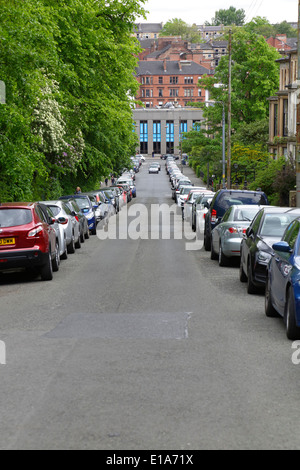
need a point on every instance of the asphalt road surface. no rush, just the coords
(139, 343)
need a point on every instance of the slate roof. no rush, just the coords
(157, 68)
(147, 27)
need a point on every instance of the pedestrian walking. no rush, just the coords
(153, 154)
(112, 180)
(77, 190)
(106, 181)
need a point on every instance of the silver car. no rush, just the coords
(68, 223)
(228, 234)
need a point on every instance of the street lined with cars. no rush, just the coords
(140, 343)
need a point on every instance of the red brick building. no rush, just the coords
(165, 81)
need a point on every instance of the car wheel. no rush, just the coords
(94, 231)
(207, 241)
(292, 330)
(223, 260)
(243, 277)
(269, 309)
(71, 246)
(87, 234)
(251, 288)
(56, 260)
(78, 243)
(213, 254)
(82, 239)
(47, 269)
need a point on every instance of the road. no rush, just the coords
(141, 344)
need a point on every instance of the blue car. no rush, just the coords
(86, 208)
(282, 294)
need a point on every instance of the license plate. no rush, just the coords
(7, 241)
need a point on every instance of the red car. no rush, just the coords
(27, 239)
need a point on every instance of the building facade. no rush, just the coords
(165, 81)
(161, 130)
(283, 107)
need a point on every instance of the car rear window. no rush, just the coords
(15, 217)
(226, 199)
(55, 210)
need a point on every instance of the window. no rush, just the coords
(149, 93)
(189, 92)
(173, 92)
(160, 80)
(160, 92)
(157, 136)
(275, 130)
(170, 137)
(188, 80)
(173, 80)
(285, 118)
(149, 81)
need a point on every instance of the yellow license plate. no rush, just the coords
(7, 241)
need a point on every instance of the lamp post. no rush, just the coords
(223, 138)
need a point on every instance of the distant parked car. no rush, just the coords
(266, 228)
(199, 209)
(87, 209)
(153, 169)
(27, 239)
(226, 237)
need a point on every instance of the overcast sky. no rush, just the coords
(199, 11)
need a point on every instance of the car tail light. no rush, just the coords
(232, 230)
(214, 215)
(76, 217)
(35, 232)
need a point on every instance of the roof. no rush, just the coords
(157, 68)
(147, 27)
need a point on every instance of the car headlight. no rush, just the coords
(263, 257)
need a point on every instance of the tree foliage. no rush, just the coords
(69, 68)
(229, 16)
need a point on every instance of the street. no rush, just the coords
(143, 344)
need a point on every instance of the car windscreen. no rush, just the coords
(82, 203)
(274, 224)
(15, 217)
(245, 215)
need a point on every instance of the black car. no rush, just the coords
(266, 228)
(222, 200)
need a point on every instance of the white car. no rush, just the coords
(200, 208)
(153, 169)
(188, 204)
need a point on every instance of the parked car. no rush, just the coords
(69, 223)
(282, 292)
(27, 239)
(152, 169)
(199, 209)
(78, 214)
(222, 200)
(266, 228)
(226, 237)
(186, 195)
(86, 208)
(176, 190)
(60, 233)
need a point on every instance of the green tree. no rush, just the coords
(69, 74)
(229, 16)
(178, 27)
(254, 77)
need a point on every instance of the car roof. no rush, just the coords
(17, 204)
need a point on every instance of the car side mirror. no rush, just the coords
(249, 232)
(282, 247)
(62, 220)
